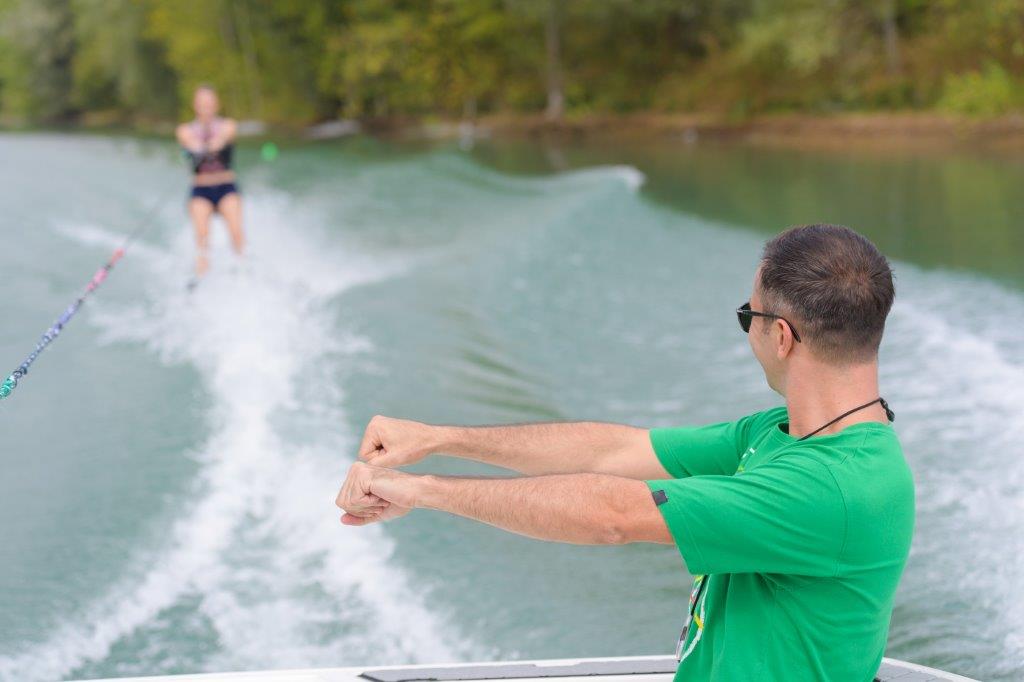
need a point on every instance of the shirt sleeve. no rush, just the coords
(714, 449)
(786, 516)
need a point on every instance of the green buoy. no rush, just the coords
(268, 152)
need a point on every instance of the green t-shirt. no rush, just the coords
(801, 543)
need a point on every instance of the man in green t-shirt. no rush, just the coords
(796, 521)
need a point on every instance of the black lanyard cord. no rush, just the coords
(885, 406)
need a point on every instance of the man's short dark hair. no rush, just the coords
(836, 286)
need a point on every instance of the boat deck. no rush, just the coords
(651, 668)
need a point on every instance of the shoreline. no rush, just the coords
(840, 132)
(867, 131)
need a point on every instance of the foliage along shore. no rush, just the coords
(727, 64)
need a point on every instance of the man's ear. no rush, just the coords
(782, 337)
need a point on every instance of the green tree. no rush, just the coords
(297, 61)
(117, 70)
(36, 51)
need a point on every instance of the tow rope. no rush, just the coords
(11, 382)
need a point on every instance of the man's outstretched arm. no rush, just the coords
(587, 509)
(532, 449)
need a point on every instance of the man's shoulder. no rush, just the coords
(872, 445)
(872, 472)
(861, 453)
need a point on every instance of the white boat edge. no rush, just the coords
(891, 669)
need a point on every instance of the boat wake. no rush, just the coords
(256, 571)
(957, 377)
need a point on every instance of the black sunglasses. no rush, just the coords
(745, 315)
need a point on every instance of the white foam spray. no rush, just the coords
(258, 547)
(956, 375)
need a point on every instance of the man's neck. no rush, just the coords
(818, 393)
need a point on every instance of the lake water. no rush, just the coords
(171, 461)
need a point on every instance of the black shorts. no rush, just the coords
(214, 193)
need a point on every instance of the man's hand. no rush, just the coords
(390, 442)
(371, 493)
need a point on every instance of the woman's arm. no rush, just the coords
(224, 135)
(186, 138)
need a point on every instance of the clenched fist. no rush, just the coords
(390, 442)
(371, 493)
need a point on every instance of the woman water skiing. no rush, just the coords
(209, 143)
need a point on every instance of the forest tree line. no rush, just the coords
(293, 62)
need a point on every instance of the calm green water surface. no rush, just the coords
(170, 464)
